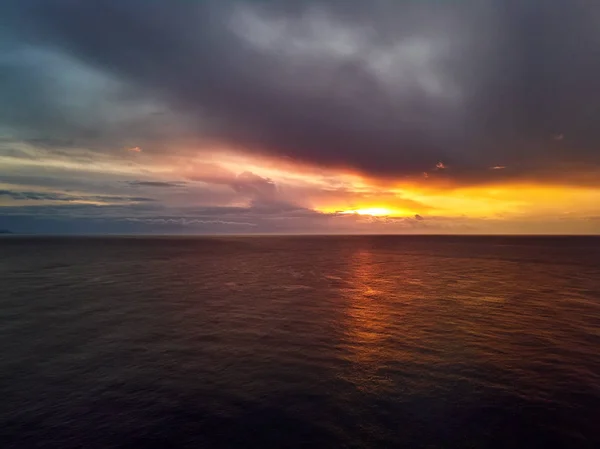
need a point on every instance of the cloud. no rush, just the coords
(155, 184)
(156, 218)
(261, 189)
(272, 114)
(261, 192)
(68, 197)
(187, 222)
(390, 89)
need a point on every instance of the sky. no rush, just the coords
(289, 116)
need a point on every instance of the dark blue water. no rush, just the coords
(417, 342)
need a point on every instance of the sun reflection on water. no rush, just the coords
(368, 323)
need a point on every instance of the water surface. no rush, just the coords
(432, 342)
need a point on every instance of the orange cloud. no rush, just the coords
(498, 199)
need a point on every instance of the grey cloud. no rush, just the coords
(259, 188)
(187, 221)
(67, 197)
(263, 193)
(265, 196)
(152, 218)
(245, 183)
(386, 87)
(155, 184)
(55, 101)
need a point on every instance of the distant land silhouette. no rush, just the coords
(5, 231)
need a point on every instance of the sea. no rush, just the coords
(300, 342)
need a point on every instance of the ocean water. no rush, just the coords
(289, 342)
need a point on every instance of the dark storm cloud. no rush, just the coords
(387, 87)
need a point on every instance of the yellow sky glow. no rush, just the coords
(331, 190)
(374, 211)
(334, 190)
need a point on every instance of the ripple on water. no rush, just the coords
(300, 342)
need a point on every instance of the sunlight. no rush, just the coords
(374, 211)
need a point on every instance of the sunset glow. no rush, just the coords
(374, 211)
(300, 223)
(295, 122)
